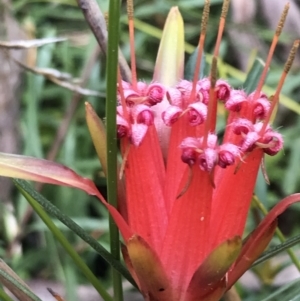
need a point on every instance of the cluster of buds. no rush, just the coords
(246, 128)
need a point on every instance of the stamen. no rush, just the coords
(264, 171)
(130, 14)
(210, 124)
(286, 69)
(205, 16)
(187, 185)
(221, 26)
(272, 49)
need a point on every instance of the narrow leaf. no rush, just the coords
(53, 210)
(253, 76)
(191, 63)
(277, 249)
(24, 44)
(40, 170)
(15, 284)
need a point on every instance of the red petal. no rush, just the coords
(185, 243)
(214, 294)
(144, 175)
(175, 167)
(232, 198)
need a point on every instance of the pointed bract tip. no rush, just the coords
(210, 274)
(170, 58)
(148, 269)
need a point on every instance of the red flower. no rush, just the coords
(187, 193)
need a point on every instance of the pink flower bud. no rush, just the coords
(249, 141)
(275, 141)
(125, 85)
(197, 113)
(131, 97)
(223, 90)
(155, 93)
(203, 86)
(141, 88)
(227, 154)
(207, 160)
(171, 115)
(185, 87)
(212, 140)
(189, 156)
(261, 108)
(174, 96)
(142, 114)
(242, 125)
(123, 128)
(235, 101)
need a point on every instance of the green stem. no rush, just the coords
(112, 150)
(280, 235)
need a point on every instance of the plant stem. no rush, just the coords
(111, 104)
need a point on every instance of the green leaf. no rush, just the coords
(290, 292)
(253, 76)
(66, 245)
(54, 211)
(277, 249)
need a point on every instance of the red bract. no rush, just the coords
(185, 213)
